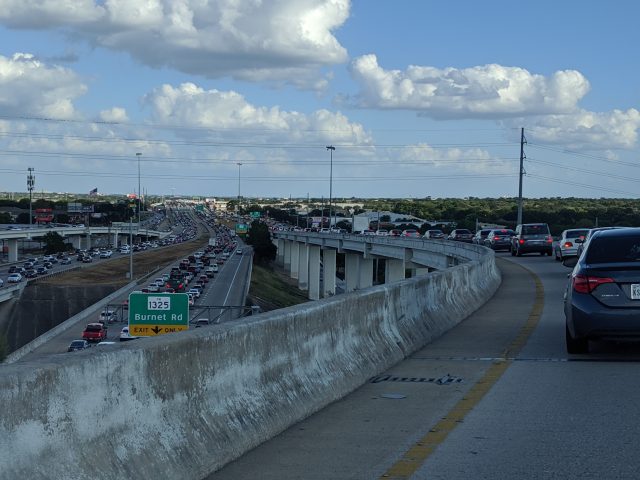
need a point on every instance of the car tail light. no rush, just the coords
(586, 284)
(567, 244)
(549, 239)
(521, 241)
(496, 238)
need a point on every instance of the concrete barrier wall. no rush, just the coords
(182, 406)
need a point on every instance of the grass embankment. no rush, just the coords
(271, 289)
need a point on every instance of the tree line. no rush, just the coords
(559, 213)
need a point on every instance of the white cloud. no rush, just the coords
(487, 91)
(228, 114)
(587, 130)
(115, 115)
(476, 160)
(283, 41)
(30, 88)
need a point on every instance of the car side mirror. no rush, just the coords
(570, 262)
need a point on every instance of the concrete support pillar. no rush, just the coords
(421, 271)
(295, 259)
(329, 272)
(287, 254)
(76, 240)
(114, 240)
(280, 255)
(365, 275)
(303, 267)
(393, 270)
(314, 272)
(351, 271)
(12, 245)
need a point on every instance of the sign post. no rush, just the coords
(158, 313)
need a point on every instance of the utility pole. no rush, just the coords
(522, 157)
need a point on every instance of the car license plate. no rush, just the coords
(635, 291)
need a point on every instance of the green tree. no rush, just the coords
(23, 218)
(53, 243)
(259, 237)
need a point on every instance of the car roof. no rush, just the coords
(617, 232)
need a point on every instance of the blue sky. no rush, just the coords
(420, 98)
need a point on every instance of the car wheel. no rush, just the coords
(513, 252)
(518, 253)
(558, 257)
(576, 345)
(542, 254)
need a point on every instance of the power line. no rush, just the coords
(577, 184)
(218, 160)
(344, 178)
(585, 170)
(313, 146)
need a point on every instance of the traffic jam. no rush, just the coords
(191, 276)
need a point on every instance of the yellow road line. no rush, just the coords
(418, 454)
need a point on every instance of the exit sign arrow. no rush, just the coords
(156, 330)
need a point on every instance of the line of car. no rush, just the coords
(97, 332)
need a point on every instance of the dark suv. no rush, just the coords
(532, 238)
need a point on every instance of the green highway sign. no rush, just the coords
(242, 228)
(157, 313)
(254, 214)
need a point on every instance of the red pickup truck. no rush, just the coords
(95, 332)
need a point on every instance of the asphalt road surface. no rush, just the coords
(497, 397)
(225, 289)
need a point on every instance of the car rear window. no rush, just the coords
(577, 233)
(614, 249)
(93, 328)
(541, 229)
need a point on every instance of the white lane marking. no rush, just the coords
(232, 282)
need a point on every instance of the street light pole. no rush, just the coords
(31, 182)
(131, 248)
(139, 194)
(239, 165)
(331, 148)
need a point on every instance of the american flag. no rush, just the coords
(94, 191)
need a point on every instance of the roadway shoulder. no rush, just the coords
(370, 431)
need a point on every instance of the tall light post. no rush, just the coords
(31, 183)
(331, 148)
(139, 194)
(239, 165)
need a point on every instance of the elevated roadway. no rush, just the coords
(495, 398)
(76, 234)
(212, 394)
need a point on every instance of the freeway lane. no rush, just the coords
(227, 288)
(534, 413)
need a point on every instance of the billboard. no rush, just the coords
(74, 207)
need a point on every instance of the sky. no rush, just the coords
(222, 98)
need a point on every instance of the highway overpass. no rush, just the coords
(81, 237)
